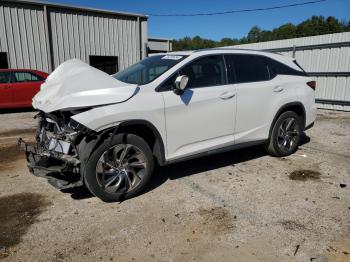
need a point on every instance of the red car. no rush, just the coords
(18, 86)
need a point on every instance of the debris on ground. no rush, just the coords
(296, 249)
(304, 174)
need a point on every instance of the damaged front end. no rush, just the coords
(55, 154)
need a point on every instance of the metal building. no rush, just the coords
(41, 35)
(324, 57)
(159, 45)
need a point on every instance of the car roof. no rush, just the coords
(222, 50)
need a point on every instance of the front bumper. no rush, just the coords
(61, 171)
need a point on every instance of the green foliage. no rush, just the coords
(316, 25)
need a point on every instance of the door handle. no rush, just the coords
(278, 89)
(227, 95)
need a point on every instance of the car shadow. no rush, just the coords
(203, 164)
(190, 167)
(207, 163)
(78, 193)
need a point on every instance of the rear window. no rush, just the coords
(250, 68)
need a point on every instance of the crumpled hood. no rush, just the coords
(75, 84)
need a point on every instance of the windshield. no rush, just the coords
(148, 69)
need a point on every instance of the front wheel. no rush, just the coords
(120, 167)
(285, 136)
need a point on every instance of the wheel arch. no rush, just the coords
(139, 127)
(296, 107)
(146, 131)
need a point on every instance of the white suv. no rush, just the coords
(107, 132)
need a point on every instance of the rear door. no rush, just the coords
(6, 95)
(25, 85)
(256, 96)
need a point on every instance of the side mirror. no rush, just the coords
(180, 84)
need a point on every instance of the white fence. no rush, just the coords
(324, 57)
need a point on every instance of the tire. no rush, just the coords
(284, 141)
(119, 168)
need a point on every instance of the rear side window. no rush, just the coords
(250, 68)
(19, 77)
(277, 68)
(4, 77)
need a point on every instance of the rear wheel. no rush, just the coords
(119, 168)
(285, 136)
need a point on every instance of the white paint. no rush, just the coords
(201, 119)
(75, 84)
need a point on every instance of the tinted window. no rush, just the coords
(169, 84)
(4, 77)
(277, 68)
(19, 77)
(230, 69)
(206, 71)
(250, 68)
(148, 69)
(203, 72)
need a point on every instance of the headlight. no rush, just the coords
(74, 125)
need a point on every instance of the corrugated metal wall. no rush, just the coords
(326, 58)
(157, 45)
(31, 39)
(75, 34)
(22, 36)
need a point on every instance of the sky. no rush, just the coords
(220, 26)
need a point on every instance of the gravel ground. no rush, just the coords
(239, 206)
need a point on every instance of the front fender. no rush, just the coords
(147, 107)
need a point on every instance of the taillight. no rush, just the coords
(312, 84)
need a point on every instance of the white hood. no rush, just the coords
(75, 84)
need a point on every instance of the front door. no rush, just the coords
(203, 117)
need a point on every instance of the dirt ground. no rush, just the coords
(239, 206)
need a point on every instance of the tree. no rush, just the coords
(254, 34)
(315, 25)
(285, 31)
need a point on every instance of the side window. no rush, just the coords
(203, 72)
(206, 71)
(4, 77)
(169, 84)
(250, 68)
(20, 77)
(277, 68)
(231, 78)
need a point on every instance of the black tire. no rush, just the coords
(91, 176)
(275, 146)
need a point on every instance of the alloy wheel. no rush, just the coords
(288, 133)
(121, 168)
